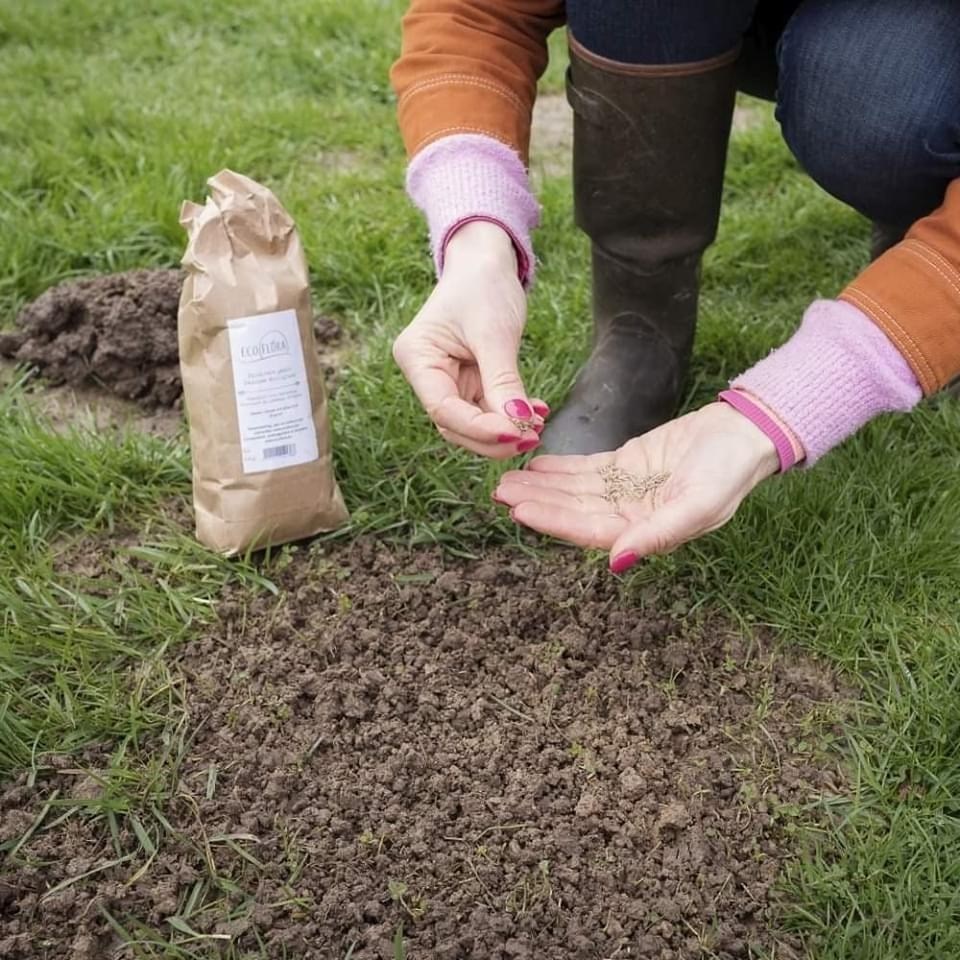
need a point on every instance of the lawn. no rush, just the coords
(116, 111)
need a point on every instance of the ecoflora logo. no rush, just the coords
(272, 344)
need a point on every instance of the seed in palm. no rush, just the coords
(620, 485)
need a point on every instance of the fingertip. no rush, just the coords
(518, 409)
(621, 562)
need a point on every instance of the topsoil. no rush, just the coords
(117, 332)
(504, 756)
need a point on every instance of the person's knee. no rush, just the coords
(658, 31)
(869, 101)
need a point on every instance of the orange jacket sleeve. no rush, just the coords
(912, 293)
(471, 66)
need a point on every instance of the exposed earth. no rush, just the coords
(117, 332)
(505, 757)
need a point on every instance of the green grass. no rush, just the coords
(116, 111)
(72, 632)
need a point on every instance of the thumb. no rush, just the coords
(503, 390)
(665, 528)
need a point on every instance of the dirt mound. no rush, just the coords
(117, 332)
(503, 757)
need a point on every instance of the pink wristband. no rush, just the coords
(836, 373)
(760, 419)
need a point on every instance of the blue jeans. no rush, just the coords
(867, 91)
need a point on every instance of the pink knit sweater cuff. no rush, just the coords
(468, 177)
(838, 371)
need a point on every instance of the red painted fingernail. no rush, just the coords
(538, 427)
(519, 409)
(623, 561)
(527, 445)
(507, 438)
(542, 409)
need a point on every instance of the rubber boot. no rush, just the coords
(649, 152)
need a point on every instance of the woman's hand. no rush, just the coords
(460, 352)
(713, 458)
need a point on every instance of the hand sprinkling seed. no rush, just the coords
(524, 426)
(676, 482)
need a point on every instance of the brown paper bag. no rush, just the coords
(252, 384)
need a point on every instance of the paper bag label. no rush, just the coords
(272, 392)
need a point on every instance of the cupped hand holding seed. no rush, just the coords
(460, 352)
(673, 484)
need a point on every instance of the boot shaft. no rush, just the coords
(649, 153)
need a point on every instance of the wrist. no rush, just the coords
(480, 243)
(837, 372)
(761, 449)
(788, 447)
(467, 178)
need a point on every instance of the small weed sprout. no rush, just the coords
(415, 906)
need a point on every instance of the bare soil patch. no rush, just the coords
(90, 407)
(749, 114)
(339, 161)
(551, 136)
(504, 756)
(118, 333)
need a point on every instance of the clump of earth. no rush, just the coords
(507, 758)
(117, 332)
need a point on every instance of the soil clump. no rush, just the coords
(118, 332)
